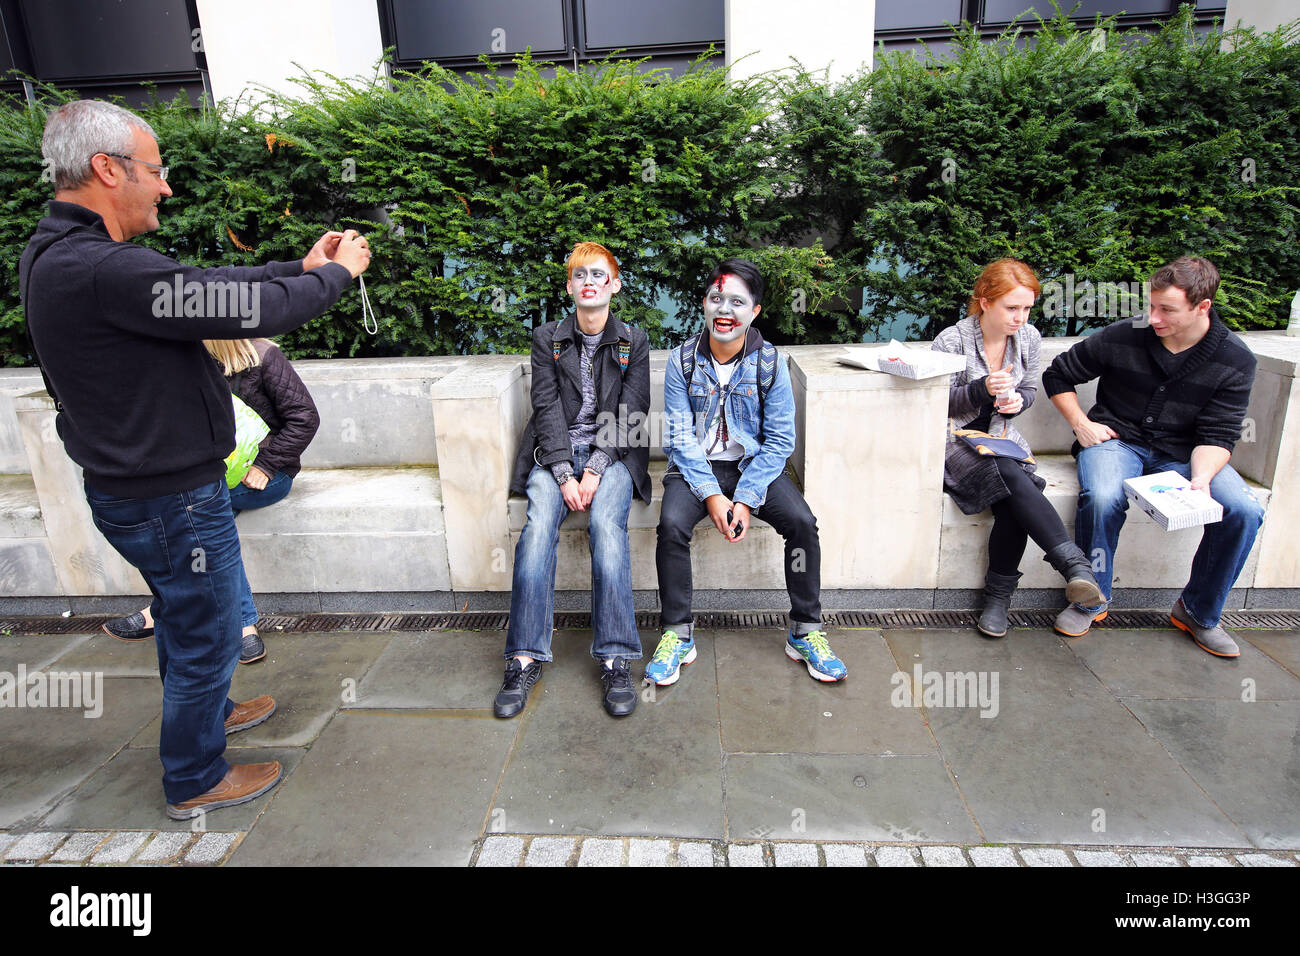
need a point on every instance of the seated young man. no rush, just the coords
(1171, 396)
(729, 413)
(586, 368)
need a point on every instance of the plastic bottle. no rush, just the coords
(1293, 327)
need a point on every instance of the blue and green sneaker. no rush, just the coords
(666, 664)
(812, 649)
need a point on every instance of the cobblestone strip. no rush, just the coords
(116, 848)
(526, 850)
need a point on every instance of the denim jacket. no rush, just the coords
(766, 434)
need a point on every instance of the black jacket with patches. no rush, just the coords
(622, 399)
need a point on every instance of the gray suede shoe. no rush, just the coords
(1074, 621)
(1215, 639)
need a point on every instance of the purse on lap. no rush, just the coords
(986, 444)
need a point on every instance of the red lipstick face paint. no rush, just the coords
(729, 309)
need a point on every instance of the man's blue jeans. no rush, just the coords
(1224, 544)
(532, 593)
(244, 498)
(186, 547)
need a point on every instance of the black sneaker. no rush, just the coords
(129, 628)
(620, 695)
(513, 695)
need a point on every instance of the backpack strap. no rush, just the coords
(767, 359)
(686, 358)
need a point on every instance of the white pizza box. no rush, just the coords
(1171, 501)
(897, 359)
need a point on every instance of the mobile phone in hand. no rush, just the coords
(731, 524)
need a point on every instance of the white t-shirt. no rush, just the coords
(714, 448)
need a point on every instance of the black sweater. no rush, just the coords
(144, 409)
(1169, 403)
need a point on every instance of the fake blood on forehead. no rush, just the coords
(721, 279)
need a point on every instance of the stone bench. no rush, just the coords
(403, 502)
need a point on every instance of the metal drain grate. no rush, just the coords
(649, 621)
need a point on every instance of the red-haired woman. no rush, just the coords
(999, 382)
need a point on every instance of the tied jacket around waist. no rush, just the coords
(622, 400)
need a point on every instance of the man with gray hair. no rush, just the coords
(148, 416)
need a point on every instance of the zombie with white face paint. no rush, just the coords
(729, 412)
(587, 368)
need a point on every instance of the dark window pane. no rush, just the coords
(617, 24)
(915, 14)
(1002, 11)
(453, 28)
(89, 38)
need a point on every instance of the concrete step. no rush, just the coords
(350, 529)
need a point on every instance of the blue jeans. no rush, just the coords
(532, 592)
(1224, 545)
(244, 498)
(186, 547)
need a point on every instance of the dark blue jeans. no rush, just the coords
(186, 547)
(244, 498)
(1224, 546)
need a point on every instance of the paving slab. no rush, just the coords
(745, 854)
(436, 669)
(306, 674)
(112, 657)
(501, 851)
(164, 847)
(769, 704)
(35, 650)
(1160, 664)
(993, 856)
(120, 847)
(45, 753)
(577, 770)
(1062, 761)
(695, 854)
(1245, 755)
(895, 856)
(384, 790)
(127, 794)
(842, 854)
(78, 847)
(601, 853)
(549, 851)
(1282, 646)
(844, 797)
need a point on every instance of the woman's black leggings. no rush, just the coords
(1025, 514)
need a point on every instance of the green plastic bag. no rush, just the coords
(249, 432)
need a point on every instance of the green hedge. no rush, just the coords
(1096, 153)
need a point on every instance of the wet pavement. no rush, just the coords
(941, 748)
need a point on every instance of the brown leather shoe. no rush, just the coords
(241, 783)
(250, 713)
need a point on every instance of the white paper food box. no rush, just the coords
(1172, 503)
(897, 359)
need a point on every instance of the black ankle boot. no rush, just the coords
(1080, 584)
(998, 589)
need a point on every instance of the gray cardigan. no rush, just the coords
(967, 397)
